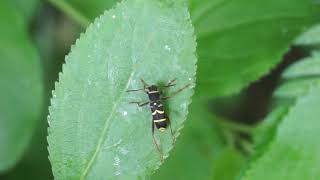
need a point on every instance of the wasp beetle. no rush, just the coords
(160, 119)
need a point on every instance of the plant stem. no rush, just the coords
(71, 12)
(247, 146)
(229, 138)
(236, 127)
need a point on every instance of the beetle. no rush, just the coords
(160, 119)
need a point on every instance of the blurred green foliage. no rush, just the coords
(27, 9)
(21, 87)
(239, 43)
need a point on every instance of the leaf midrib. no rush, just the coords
(105, 129)
(107, 123)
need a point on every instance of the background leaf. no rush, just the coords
(284, 141)
(20, 78)
(240, 41)
(228, 164)
(203, 152)
(94, 133)
(200, 144)
(266, 130)
(293, 154)
(91, 9)
(25, 8)
(234, 46)
(310, 38)
(299, 77)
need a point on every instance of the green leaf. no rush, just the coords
(240, 41)
(311, 37)
(299, 77)
(228, 164)
(94, 132)
(306, 67)
(266, 130)
(20, 87)
(25, 8)
(199, 147)
(35, 164)
(294, 153)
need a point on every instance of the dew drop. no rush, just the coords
(190, 79)
(124, 113)
(113, 16)
(166, 47)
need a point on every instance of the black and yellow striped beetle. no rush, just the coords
(159, 117)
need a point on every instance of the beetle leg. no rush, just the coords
(140, 104)
(171, 83)
(172, 135)
(175, 93)
(130, 90)
(156, 144)
(144, 83)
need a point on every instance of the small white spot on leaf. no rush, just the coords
(116, 163)
(166, 47)
(184, 106)
(123, 151)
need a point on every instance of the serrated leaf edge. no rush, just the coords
(65, 66)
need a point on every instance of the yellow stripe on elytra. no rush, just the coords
(152, 92)
(159, 120)
(157, 111)
(162, 129)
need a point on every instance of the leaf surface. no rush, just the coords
(25, 8)
(94, 132)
